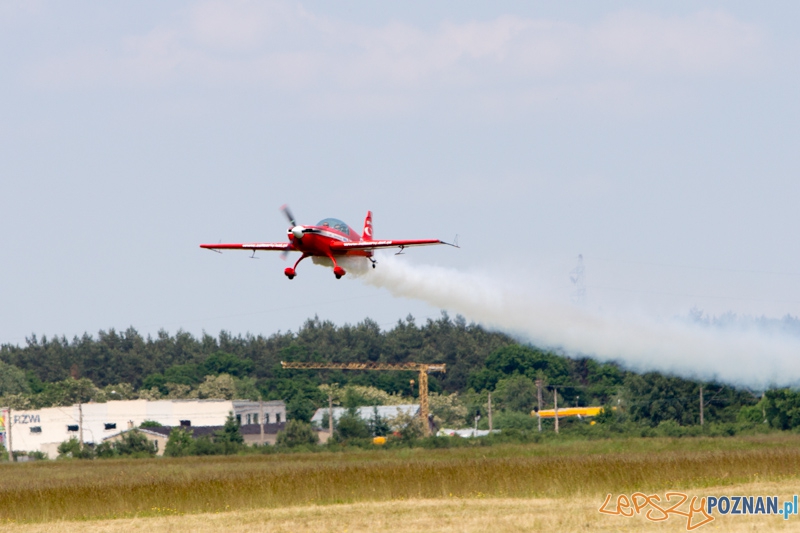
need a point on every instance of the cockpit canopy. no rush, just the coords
(338, 225)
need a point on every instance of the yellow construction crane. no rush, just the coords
(423, 368)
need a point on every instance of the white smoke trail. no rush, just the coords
(746, 357)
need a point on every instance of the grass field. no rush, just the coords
(519, 485)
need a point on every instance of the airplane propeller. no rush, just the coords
(289, 216)
(297, 231)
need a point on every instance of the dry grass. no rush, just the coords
(75, 490)
(450, 515)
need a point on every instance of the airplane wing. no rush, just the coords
(273, 246)
(375, 245)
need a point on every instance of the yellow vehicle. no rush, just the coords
(568, 411)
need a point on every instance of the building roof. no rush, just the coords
(465, 433)
(208, 431)
(252, 403)
(366, 413)
(147, 431)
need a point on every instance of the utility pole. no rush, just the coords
(701, 405)
(261, 417)
(555, 401)
(11, 457)
(539, 401)
(330, 415)
(490, 412)
(80, 423)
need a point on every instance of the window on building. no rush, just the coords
(186, 423)
(277, 418)
(36, 429)
(255, 419)
(239, 419)
(112, 425)
(72, 427)
(266, 418)
(248, 419)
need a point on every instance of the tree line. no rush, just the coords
(125, 365)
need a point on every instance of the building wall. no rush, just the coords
(249, 412)
(324, 436)
(269, 438)
(120, 416)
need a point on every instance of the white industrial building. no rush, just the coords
(44, 429)
(366, 413)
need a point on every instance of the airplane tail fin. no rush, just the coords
(367, 235)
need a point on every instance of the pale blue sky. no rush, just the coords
(661, 142)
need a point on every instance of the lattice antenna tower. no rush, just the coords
(578, 278)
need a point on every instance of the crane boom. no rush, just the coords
(423, 368)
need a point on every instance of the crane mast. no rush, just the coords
(422, 368)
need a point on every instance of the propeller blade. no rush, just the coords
(289, 216)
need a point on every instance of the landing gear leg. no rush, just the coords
(337, 270)
(290, 272)
(372, 261)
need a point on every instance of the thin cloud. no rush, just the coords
(283, 47)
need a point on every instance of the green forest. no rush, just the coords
(125, 365)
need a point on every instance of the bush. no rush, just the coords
(752, 414)
(180, 443)
(670, 428)
(517, 393)
(105, 450)
(205, 446)
(229, 439)
(73, 449)
(297, 433)
(130, 444)
(448, 409)
(350, 426)
(514, 420)
(38, 456)
(378, 426)
(135, 443)
(300, 408)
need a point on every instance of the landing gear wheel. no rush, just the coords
(339, 272)
(290, 273)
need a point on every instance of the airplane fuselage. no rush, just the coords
(330, 238)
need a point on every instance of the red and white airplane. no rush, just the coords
(330, 238)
